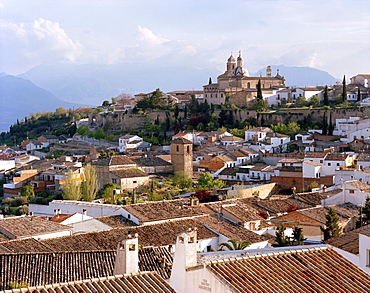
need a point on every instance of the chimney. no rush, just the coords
(194, 202)
(1, 216)
(185, 257)
(31, 214)
(127, 258)
(84, 212)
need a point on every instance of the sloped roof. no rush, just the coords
(315, 155)
(162, 210)
(181, 140)
(57, 267)
(130, 173)
(349, 241)
(281, 205)
(336, 157)
(111, 284)
(151, 161)
(114, 160)
(313, 270)
(116, 221)
(27, 226)
(358, 184)
(242, 213)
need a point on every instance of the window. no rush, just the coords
(177, 148)
(134, 181)
(338, 164)
(329, 164)
(188, 149)
(321, 161)
(351, 191)
(114, 180)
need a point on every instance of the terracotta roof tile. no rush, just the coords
(349, 241)
(111, 284)
(313, 270)
(162, 210)
(27, 226)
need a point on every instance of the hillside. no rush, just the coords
(20, 97)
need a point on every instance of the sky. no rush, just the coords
(333, 36)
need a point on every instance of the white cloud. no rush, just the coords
(147, 36)
(42, 41)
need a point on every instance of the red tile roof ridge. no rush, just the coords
(270, 254)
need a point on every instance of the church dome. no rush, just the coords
(231, 59)
(240, 70)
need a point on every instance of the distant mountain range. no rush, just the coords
(300, 76)
(47, 87)
(20, 98)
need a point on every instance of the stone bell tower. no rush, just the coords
(182, 156)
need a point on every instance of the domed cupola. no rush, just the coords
(231, 59)
(239, 69)
(230, 65)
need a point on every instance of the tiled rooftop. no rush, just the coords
(242, 213)
(116, 221)
(349, 241)
(162, 210)
(151, 161)
(358, 184)
(27, 226)
(133, 283)
(276, 206)
(312, 198)
(130, 173)
(344, 211)
(315, 155)
(55, 267)
(307, 270)
(115, 160)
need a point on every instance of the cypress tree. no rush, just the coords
(259, 91)
(324, 125)
(332, 227)
(210, 80)
(358, 94)
(331, 125)
(344, 90)
(326, 98)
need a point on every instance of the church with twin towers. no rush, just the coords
(236, 85)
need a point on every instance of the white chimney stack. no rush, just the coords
(127, 258)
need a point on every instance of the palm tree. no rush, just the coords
(235, 245)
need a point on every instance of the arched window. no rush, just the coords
(249, 85)
(188, 149)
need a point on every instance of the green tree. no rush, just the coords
(298, 237)
(326, 98)
(235, 245)
(324, 125)
(331, 125)
(60, 111)
(301, 102)
(207, 181)
(344, 90)
(105, 104)
(71, 188)
(83, 130)
(314, 101)
(176, 111)
(28, 191)
(89, 185)
(331, 228)
(99, 134)
(365, 212)
(280, 238)
(109, 193)
(358, 94)
(182, 180)
(259, 91)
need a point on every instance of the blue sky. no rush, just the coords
(333, 36)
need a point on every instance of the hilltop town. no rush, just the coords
(244, 186)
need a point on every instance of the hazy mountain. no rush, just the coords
(20, 97)
(93, 84)
(300, 76)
